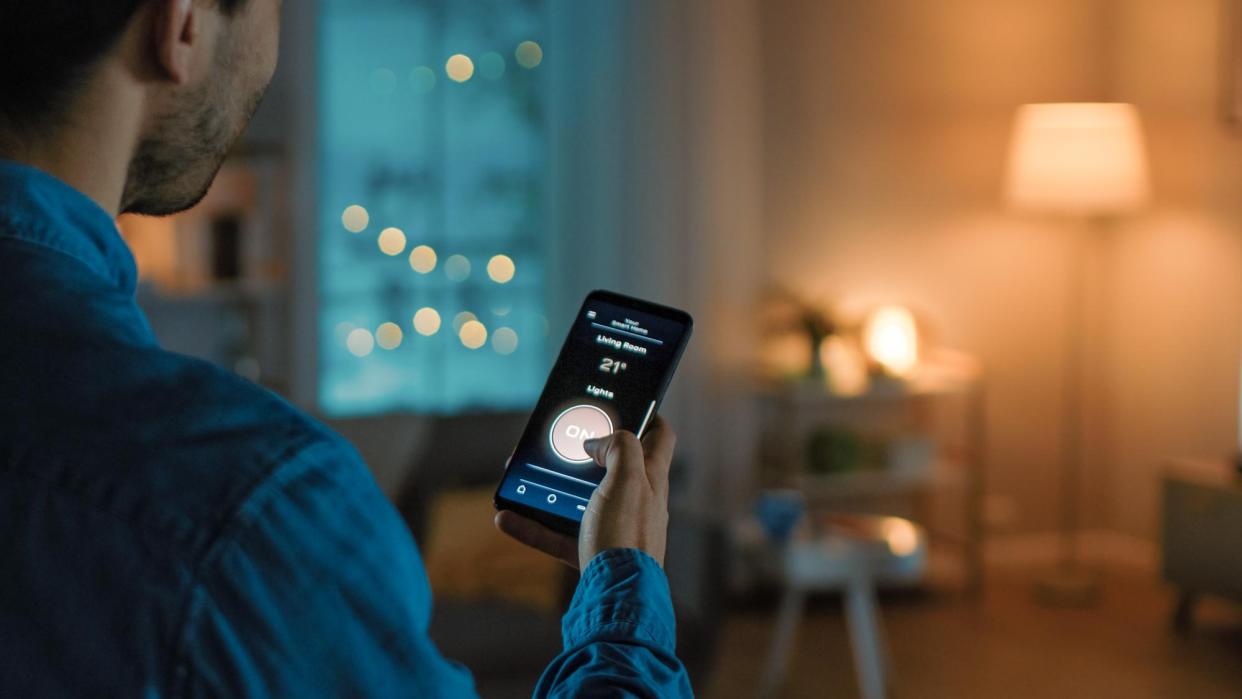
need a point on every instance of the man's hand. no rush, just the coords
(629, 509)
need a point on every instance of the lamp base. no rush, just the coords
(1068, 587)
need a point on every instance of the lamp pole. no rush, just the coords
(1070, 584)
(1082, 158)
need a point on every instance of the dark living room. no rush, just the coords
(959, 415)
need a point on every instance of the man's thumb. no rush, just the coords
(597, 449)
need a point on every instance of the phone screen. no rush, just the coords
(610, 375)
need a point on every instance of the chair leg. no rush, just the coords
(866, 638)
(792, 605)
(1184, 612)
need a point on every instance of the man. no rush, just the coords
(169, 529)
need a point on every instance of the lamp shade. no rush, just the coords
(1079, 158)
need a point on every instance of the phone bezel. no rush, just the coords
(556, 522)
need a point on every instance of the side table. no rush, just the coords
(849, 558)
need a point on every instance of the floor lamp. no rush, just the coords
(1082, 161)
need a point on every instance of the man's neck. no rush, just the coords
(91, 151)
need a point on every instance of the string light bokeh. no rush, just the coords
(415, 251)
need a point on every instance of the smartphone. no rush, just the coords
(611, 374)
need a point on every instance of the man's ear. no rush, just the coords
(176, 31)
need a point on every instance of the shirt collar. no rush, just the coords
(42, 209)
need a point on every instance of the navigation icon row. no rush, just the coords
(521, 490)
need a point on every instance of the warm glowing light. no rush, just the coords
(457, 268)
(501, 268)
(901, 535)
(154, 242)
(1079, 158)
(504, 340)
(355, 218)
(423, 259)
(459, 67)
(427, 321)
(528, 54)
(360, 342)
(892, 340)
(383, 81)
(845, 367)
(461, 319)
(473, 334)
(391, 241)
(491, 65)
(388, 336)
(422, 79)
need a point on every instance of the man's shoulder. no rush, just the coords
(173, 445)
(226, 443)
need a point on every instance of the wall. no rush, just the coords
(1176, 269)
(885, 127)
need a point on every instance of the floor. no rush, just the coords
(1005, 645)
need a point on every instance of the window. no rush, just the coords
(432, 163)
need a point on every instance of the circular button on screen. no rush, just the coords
(574, 426)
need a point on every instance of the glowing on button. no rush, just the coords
(574, 426)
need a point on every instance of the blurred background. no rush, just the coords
(961, 414)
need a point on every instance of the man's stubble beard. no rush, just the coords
(174, 166)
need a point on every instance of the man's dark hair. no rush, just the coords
(48, 47)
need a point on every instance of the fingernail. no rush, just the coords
(590, 444)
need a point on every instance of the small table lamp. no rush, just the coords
(1084, 160)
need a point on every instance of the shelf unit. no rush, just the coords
(941, 409)
(240, 320)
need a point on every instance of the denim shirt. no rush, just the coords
(169, 529)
